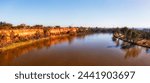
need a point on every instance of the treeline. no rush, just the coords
(9, 26)
(4, 25)
(102, 30)
(132, 35)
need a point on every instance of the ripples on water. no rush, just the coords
(85, 50)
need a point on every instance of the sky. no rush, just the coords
(92, 13)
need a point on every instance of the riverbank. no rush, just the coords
(25, 43)
(139, 42)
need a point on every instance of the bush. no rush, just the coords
(16, 38)
(12, 35)
(38, 35)
(46, 32)
(3, 39)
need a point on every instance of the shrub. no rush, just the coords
(3, 39)
(38, 35)
(12, 35)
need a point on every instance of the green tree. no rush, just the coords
(135, 35)
(124, 30)
(128, 35)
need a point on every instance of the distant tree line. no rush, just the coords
(4, 25)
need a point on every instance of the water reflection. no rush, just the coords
(147, 50)
(117, 41)
(8, 56)
(130, 49)
(132, 52)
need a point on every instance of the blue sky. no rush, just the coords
(103, 13)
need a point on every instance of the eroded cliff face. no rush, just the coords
(16, 35)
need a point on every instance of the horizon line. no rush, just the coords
(72, 25)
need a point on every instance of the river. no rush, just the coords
(84, 50)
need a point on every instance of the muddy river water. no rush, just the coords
(84, 50)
